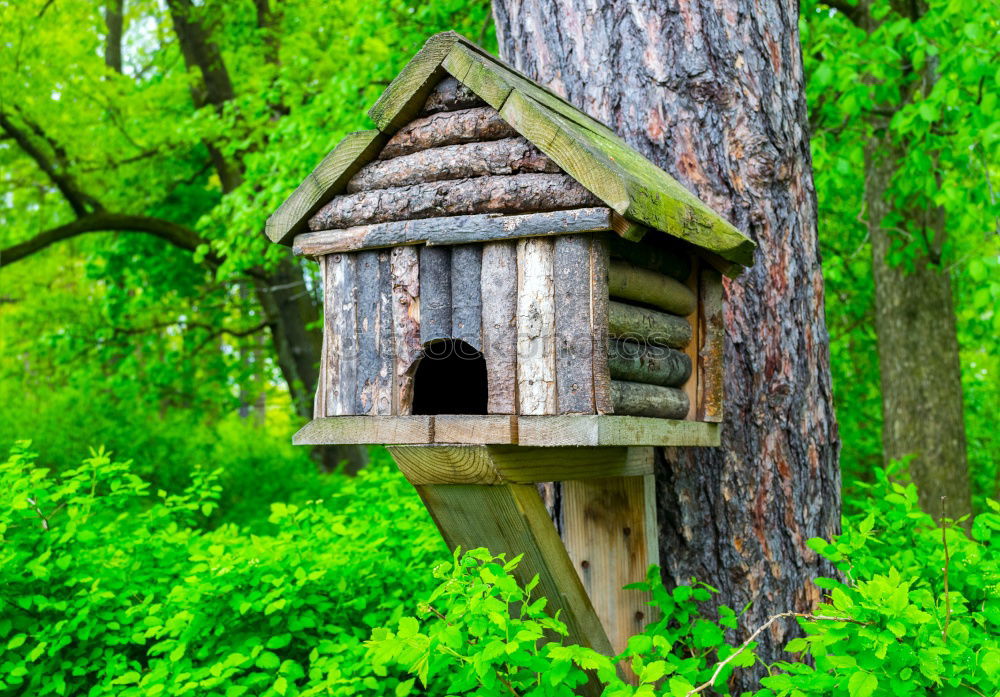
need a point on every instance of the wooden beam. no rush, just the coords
(475, 430)
(574, 341)
(328, 179)
(361, 430)
(650, 326)
(447, 128)
(641, 399)
(644, 286)
(452, 230)
(511, 519)
(405, 96)
(536, 361)
(404, 270)
(711, 356)
(499, 293)
(609, 529)
(540, 431)
(512, 464)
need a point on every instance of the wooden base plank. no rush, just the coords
(362, 430)
(610, 537)
(538, 431)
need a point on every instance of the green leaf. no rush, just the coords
(862, 684)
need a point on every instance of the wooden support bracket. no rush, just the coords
(484, 496)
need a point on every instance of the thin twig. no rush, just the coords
(947, 600)
(772, 620)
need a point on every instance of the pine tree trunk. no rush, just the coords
(713, 92)
(917, 347)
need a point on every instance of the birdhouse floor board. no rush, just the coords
(451, 230)
(541, 431)
(447, 128)
(465, 161)
(498, 464)
(515, 193)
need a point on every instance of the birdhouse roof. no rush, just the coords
(641, 193)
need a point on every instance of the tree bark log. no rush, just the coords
(506, 156)
(713, 92)
(447, 128)
(917, 349)
(517, 193)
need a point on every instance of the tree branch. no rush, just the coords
(78, 200)
(175, 234)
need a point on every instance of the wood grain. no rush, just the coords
(328, 179)
(340, 305)
(574, 341)
(640, 362)
(499, 294)
(404, 270)
(447, 128)
(435, 294)
(363, 430)
(464, 161)
(373, 393)
(641, 285)
(536, 379)
(466, 295)
(451, 230)
(511, 519)
(609, 533)
(711, 356)
(640, 399)
(515, 193)
(691, 387)
(599, 324)
(648, 326)
(319, 401)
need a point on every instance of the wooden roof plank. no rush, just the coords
(328, 179)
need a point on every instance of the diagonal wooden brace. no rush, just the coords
(485, 496)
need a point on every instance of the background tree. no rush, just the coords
(714, 94)
(187, 122)
(903, 102)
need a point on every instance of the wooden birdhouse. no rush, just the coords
(506, 281)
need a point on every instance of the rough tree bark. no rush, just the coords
(916, 326)
(114, 19)
(713, 92)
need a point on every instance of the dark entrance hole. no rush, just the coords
(450, 379)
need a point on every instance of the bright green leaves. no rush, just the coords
(862, 684)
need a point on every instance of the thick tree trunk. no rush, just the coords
(713, 92)
(114, 19)
(917, 347)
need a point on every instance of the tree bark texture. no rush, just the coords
(917, 349)
(713, 92)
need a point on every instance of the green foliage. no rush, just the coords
(923, 603)
(111, 587)
(881, 631)
(484, 634)
(928, 83)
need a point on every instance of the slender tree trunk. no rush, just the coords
(282, 295)
(917, 345)
(915, 318)
(114, 19)
(713, 92)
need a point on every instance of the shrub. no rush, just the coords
(890, 628)
(110, 587)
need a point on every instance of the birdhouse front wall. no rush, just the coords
(571, 324)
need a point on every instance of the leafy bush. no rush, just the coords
(891, 629)
(110, 587)
(923, 600)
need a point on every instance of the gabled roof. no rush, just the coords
(586, 149)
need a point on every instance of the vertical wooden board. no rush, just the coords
(384, 378)
(367, 279)
(340, 315)
(511, 519)
(608, 527)
(574, 342)
(319, 402)
(712, 332)
(405, 300)
(599, 324)
(499, 293)
(466, 295)
(691, 386)
(435, 293)
(536, 384)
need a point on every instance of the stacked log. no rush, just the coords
(649, 329)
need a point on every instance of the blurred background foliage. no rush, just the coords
(163, 354)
